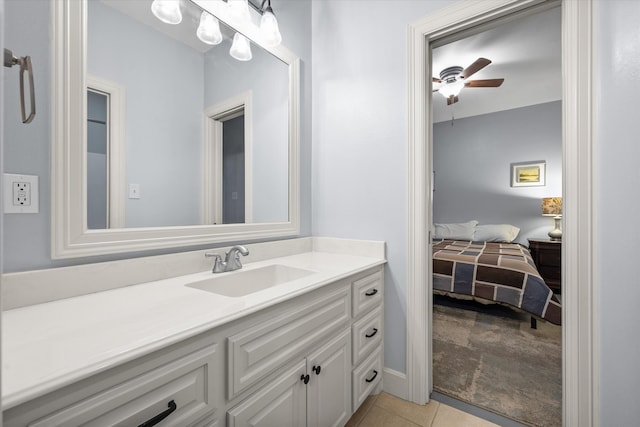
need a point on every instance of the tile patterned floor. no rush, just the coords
(385, 410)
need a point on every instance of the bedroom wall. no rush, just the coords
(472, 161)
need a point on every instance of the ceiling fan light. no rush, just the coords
(451, 89)
(269, 29)
(209, 29)
(240, 48)
(167, 11)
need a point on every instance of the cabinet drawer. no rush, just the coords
(257, 351)
(366, 376)
(551, 258)
(367, 334)
(186, 382)
(367, 292)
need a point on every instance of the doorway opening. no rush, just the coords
(227, 165)
(579, 334)
(507, 109)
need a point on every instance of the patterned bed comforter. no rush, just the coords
(501, 272)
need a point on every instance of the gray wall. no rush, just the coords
(26, 238)
(472, 161)
(617, 206)
(164, 85)
(268, 79)
(360, 136)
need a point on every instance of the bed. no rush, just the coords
(500, 272)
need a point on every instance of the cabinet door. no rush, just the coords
(280, 404)
(329, 389)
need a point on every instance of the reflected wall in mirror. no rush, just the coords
(171, 79)
(161, 140)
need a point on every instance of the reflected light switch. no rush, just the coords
(134, 191)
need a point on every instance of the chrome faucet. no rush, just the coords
(231, 260)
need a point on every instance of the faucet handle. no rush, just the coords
(218, 265)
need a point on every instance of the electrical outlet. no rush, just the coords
(20, 193)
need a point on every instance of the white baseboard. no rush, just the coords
(395, 383)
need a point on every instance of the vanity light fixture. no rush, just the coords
(239, 10)
(209, 29)
(167, 11)
(241, 48)
(269, 25)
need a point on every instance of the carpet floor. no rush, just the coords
(488, 356)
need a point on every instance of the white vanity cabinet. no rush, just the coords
(306, 361)
(314, 391)
(182, 383)
(367, 331)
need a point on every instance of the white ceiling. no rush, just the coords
(525, 52)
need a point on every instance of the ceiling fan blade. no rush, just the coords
(475, 67)
(436, 80)
(452, 100)
(484, 83)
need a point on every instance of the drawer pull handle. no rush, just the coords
(372, 292)
(375, 374)
(304, 378)
(155, 420)
(317, 369)
(375, 331)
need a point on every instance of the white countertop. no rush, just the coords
(47, 346)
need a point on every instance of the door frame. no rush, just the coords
(580, 338)
(214, 117)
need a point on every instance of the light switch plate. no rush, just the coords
(21, 193)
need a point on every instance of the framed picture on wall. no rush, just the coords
(528, 174)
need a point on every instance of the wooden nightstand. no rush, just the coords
(547, 254)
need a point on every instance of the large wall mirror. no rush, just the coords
(161, 140)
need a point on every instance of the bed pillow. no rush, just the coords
(496, 233)
(458, 231)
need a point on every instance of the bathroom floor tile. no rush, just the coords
(385, 410)
(378, 417)
(422, 415)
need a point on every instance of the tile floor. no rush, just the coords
(385, 410)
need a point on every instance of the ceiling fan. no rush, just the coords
(453, 79)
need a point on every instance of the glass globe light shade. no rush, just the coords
(167, 11)
(239, 10)
(269, 29)
(209, 29)
(240, 49)
(451, 89)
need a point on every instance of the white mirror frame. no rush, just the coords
(70, 237)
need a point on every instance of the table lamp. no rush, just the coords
(552, 206)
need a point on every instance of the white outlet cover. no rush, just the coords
(32, 180)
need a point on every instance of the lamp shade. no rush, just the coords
(552, 206)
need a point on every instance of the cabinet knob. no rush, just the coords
(317, 369)
(375, 374)
(372, 292)
(304, 378)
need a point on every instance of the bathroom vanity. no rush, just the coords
(203, 349)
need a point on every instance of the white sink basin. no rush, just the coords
(244, 282)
